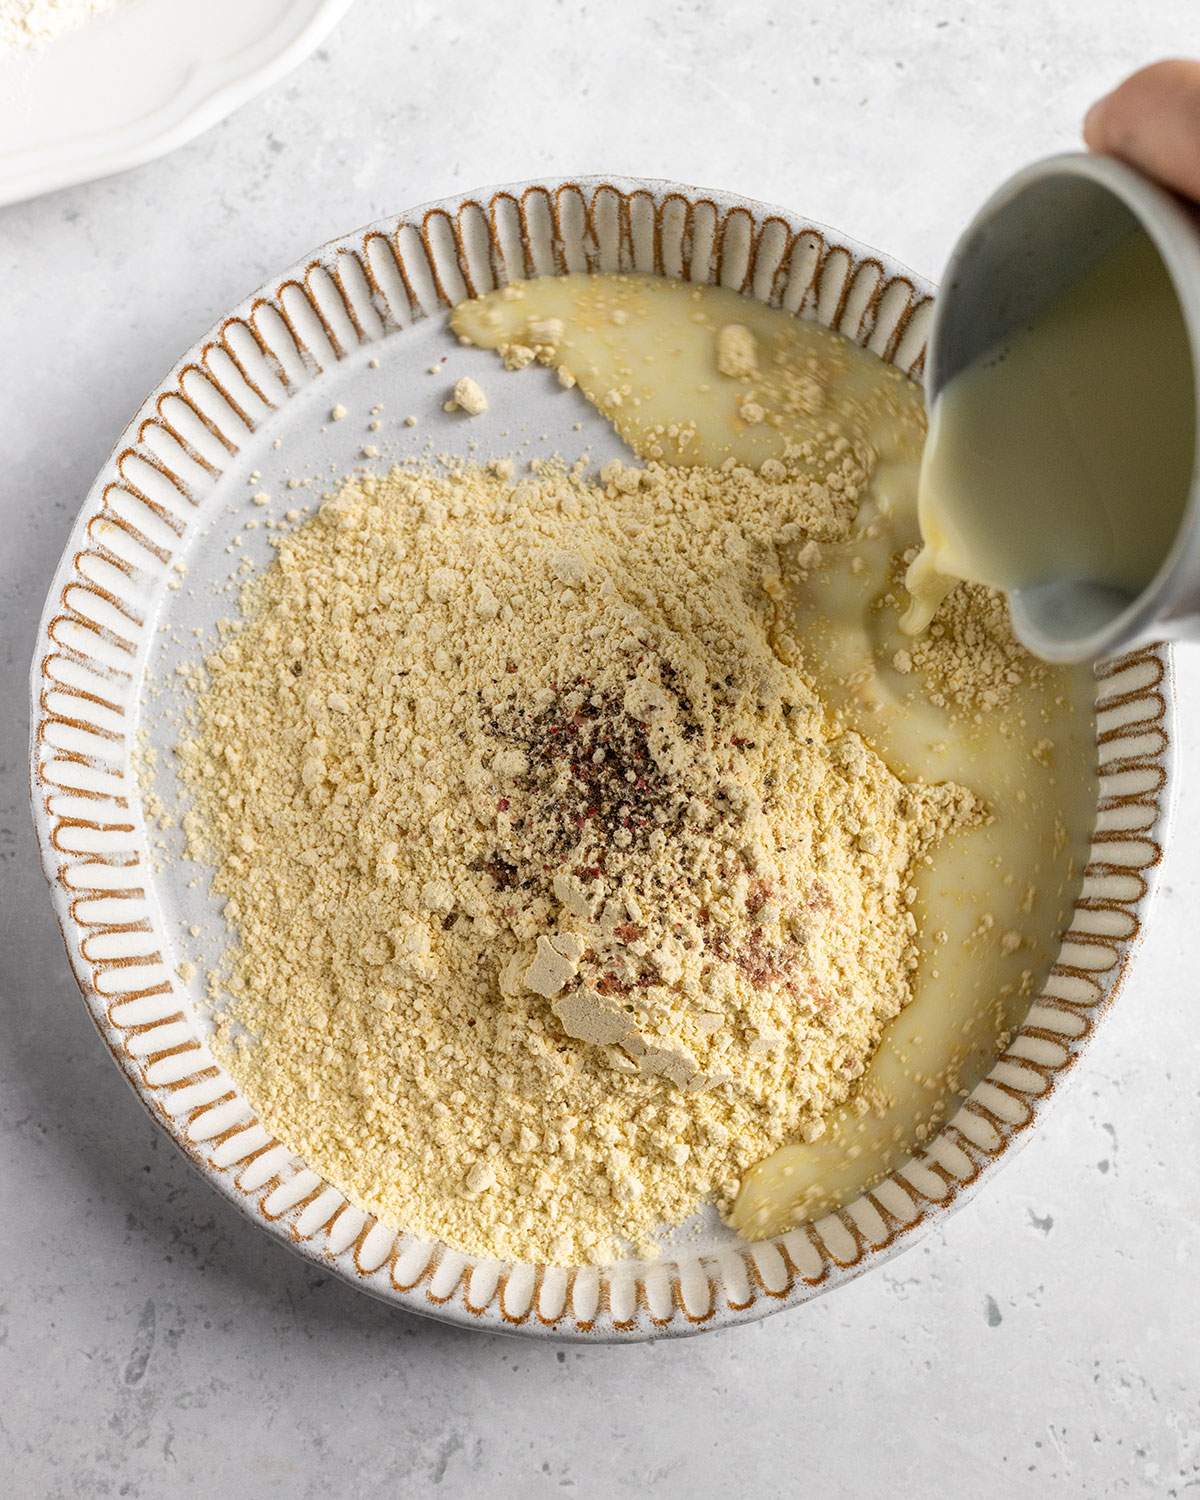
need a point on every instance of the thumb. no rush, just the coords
(1152, 121)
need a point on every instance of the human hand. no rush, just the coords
(1152, 121)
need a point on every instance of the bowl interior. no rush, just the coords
(156, 557)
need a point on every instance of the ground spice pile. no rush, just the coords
(560, 900)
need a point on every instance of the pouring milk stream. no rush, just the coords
(1059, 465)
(1059, 469)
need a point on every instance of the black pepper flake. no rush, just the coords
(569, 791)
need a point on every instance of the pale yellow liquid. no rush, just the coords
(1065, 454)
(652, 341)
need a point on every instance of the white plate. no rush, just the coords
(140, 80)
(358, 324)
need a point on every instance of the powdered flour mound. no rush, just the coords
(560, 899)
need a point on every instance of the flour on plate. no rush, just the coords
(27, 24)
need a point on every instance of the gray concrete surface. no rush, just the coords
(152, 1343)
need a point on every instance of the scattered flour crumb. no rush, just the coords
(737, 352)
(469, 397)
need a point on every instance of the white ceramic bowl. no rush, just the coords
(362, 319)
(140, 80)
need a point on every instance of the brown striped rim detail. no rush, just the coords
(558, 227)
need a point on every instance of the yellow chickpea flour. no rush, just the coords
(560, 899)
(596, 847)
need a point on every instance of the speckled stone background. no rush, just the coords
(152, 1343)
